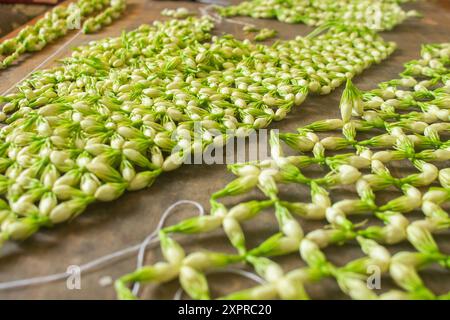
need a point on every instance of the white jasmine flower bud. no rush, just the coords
(421, 239)
(394, 295)
(375, 251)
(414, 259)
(437, 196)
(290, 290)
(378, 166)
(47, 203)
(292, 229)
(172, 251)
(234, 232)
(310, 253)
(395, 231)
(333, 143)
(441, 154)
(157, 157)
(66, 210)
(143, 180)
(24, 207)
(324, 237)
(383, 156)
(313, 137)
(405, 276)
(266, 268)
(358, 162)
(247, 170)
(109, 191)
(194, 283)
(314, 211)
(89, 184)
(348, 174)
(321, 199)
(267, 182)
(64, 192)
(20, 229)
(347, 206)
(335, 216)
(444, 177)
(356, 288)
(174, 161)
(428, 175)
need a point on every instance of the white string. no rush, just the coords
(141, 247)
(44, 62)
(240, 272)
(218, 18)
(214, 16)
(239, 22)
(146, 242)
(214, 2)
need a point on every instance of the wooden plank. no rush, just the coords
(106, 227)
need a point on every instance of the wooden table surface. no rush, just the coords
(107, 227)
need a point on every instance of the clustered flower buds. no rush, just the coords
(403, 120)
(376, 15)
(57, 23)
(112, 12)
(179, 13)
(120, 111)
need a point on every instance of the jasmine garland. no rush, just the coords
(101, 123)
(404, 119)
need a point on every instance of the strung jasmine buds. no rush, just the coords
(121, 111)
(402, 121)
(57, 23)
(351, 102)
(179, 13)
(376, 15)
(111, 13)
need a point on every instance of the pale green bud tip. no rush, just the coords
(109, 191)
(421, 238)
(194, 283)
(123, 293)
(405, 276)
(348, 174)
(310, 253)
(20, 229)
(444, 177)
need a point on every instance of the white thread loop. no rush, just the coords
(205, 11)
(151, 237)
(213, 16)
(104, 260)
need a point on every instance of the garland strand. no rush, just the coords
(405, 119)
(57, 23)
(376, 15)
